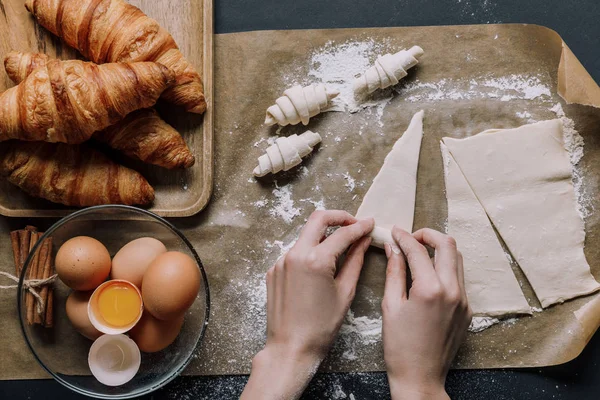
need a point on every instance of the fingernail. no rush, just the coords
(388, 250)
(395, 249)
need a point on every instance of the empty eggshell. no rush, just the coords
(131, 262)
(170, 285)
(82, 263)
(77, 312)
(114, 359)
(152, 335)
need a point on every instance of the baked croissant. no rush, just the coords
(67, 101)
(115, 31)
(142, 134)
(74, 175)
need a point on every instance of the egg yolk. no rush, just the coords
(119, 304)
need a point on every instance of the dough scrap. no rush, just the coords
(522, 178)
(391, 197)
(299, 104)
(492, 288)
(286, 153)
(387, 70)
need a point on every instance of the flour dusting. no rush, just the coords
(523, 87)
(358, 331)
(283, 205)
(479, 324)
(336, 65)
(574, 145)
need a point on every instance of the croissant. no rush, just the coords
(115, 31)
(286, 153)
(67, 101)
(73, 175)
(299, 104)
(387, 71)
(141, 135)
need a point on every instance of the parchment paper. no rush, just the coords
(240, 235)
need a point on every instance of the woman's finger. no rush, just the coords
(461, 274)
(318, 222)
(349, 272)
(420, 265)
(344, 237)
(395, 277)
(446, 255)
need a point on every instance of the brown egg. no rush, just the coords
(170, 285)
(77, 312)
(131, 262)
(82, 263)
(152, 335)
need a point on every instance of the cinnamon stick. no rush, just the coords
(32, 274)
(16, 247)
(46, 274)
(24, 238)
(49, 319)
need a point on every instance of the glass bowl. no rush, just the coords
(63, 352)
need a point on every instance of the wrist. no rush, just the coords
(413, 389)
(280, 373)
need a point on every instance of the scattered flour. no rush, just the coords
(526, 87)
(319, 205)
(479, 324)
(336, 65)
(355, 331)
(283, 205)
(350, 182)
(574, 145)
(283, 248)
(261, 203)
(504, 88)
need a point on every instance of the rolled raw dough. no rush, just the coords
(391, 197)
(492, 288)
(522, 178)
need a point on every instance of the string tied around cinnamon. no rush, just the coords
(30, 285)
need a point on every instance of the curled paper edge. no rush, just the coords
(575, 84)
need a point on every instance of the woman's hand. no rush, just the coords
(307, 300)
(423, 327)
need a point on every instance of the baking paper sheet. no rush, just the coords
(464, 85)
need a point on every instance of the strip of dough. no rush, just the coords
(522, 178)
(492, 288)
(391, 197)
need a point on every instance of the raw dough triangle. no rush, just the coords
(492, 288)
(522, 178)
(391, 197)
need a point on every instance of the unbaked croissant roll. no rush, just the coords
(286, 153)
(299, 104)
(141, 135)
(116, 31)
(73, 175)
(387, 71)
(67, 101)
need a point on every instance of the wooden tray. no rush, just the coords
(178, 193)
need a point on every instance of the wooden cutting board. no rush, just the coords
(179, 193)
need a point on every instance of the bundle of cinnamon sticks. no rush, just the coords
(41, 267)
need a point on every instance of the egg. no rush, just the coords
(170, 285)
(77, 312)
(152, 335)
(82, 263)
(131, 262)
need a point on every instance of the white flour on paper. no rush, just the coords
(516, 86)
(357, 331)
(283, 205)
(336, 65)
(574, 145)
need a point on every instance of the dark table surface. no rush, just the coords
(577, 21)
